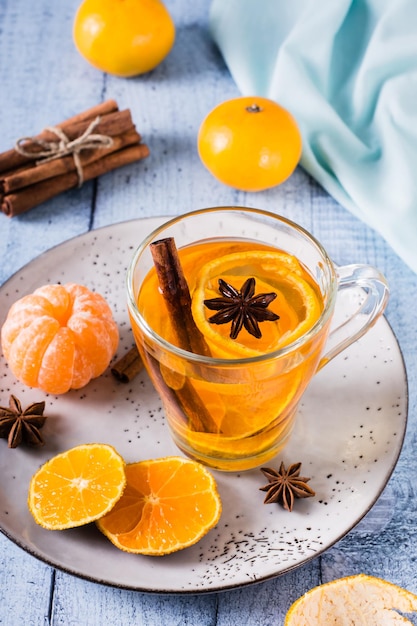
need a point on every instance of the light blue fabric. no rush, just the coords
(347, 70)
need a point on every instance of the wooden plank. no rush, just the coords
(88, 604)
(26, 587)
(44, 81)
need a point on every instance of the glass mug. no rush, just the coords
(233, 407)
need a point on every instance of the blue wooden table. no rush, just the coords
(43, 81)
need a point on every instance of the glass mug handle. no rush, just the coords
(372, 286)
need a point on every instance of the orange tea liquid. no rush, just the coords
(237, 411)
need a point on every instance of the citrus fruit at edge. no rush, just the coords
(357, 599)
(123, 38)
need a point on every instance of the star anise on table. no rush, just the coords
(285, 485)
(22, 426)
(242, 308)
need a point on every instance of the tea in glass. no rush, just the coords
(261, 297)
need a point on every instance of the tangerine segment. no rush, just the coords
(91, 321)
(77, 486)
(59, 355)
(298, 302)
(57, 300)
(21, 315)
(25, 354)
(358, 599)
(168, 505)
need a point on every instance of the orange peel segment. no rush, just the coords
(360, 600)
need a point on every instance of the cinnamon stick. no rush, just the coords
(108, 106)
(111, 124)
(194, 412)
(128, 366)
(177, 298)
(24, 177)
(17, 203)
(12, 159)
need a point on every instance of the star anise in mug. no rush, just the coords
(285, 485)
(242, 308)
(19, 426)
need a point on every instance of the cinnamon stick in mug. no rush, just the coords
(177, 297)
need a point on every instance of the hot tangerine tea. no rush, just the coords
(248, 301)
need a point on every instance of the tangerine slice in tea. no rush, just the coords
(297, 304)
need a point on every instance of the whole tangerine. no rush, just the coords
(124, 38)
(250, 143)
(59, 337)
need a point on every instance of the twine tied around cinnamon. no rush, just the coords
(51, 150)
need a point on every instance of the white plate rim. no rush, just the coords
(152, 223)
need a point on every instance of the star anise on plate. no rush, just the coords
(22, 426)
(242, 308)
(285, 485)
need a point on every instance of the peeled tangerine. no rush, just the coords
(59, 337)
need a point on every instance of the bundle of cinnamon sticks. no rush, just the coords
(28, 178)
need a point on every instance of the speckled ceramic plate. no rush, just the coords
(348, 436)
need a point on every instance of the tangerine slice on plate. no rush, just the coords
(358, 600)
(77, 486)
(168, 504)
